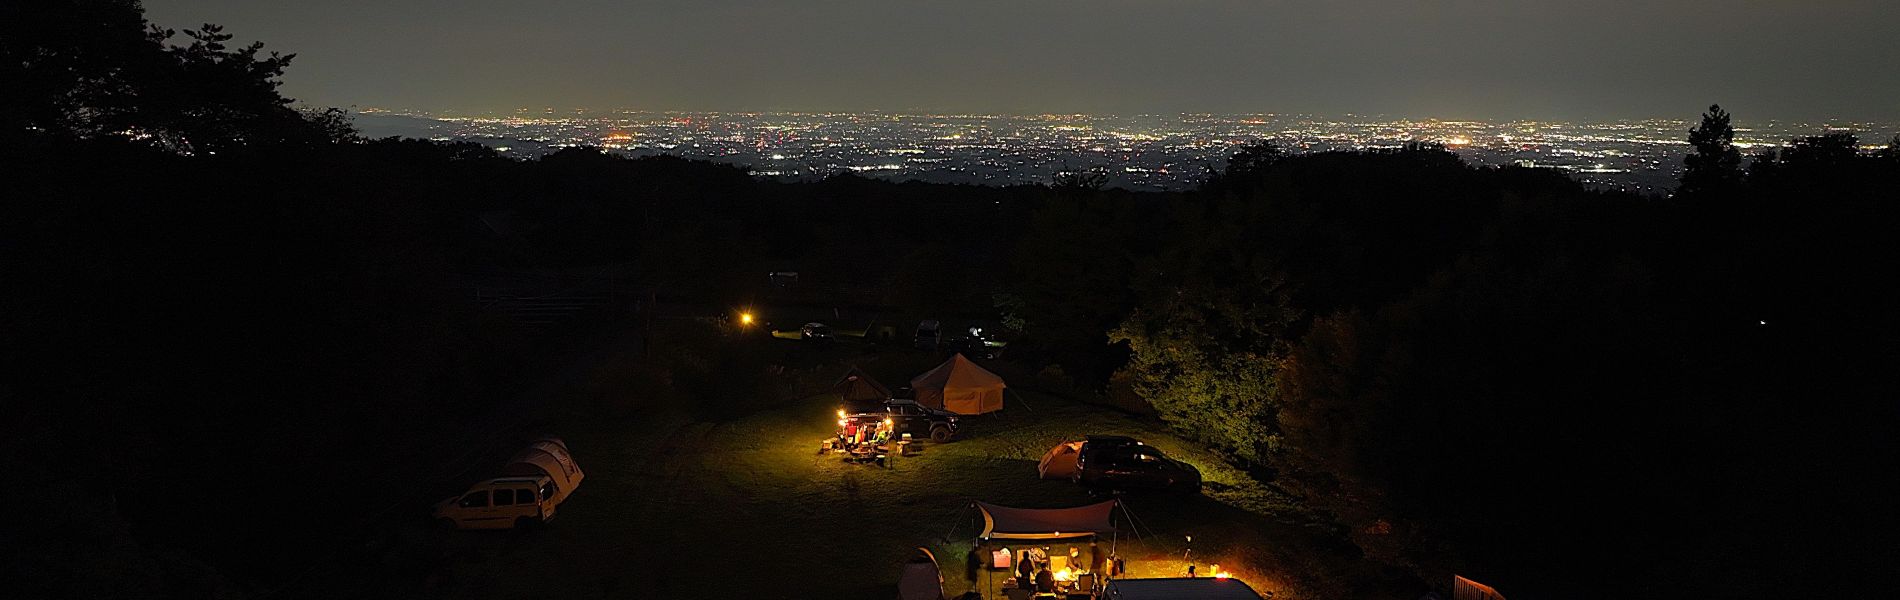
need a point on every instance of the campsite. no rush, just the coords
(676, 504)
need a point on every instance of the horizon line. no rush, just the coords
(594, 112)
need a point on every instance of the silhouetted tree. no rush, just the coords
(1715, 165)
(1253, 159)
(79, 69)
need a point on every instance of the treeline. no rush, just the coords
(1497, 372)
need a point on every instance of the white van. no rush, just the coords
(504, 503)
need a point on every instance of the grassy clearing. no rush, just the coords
(677, 507)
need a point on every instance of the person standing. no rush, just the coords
(973, 562)
(1096, 559)
(1025, 570)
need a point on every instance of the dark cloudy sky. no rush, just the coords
(1790, 59)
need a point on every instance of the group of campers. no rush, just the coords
(1043, 570)
(863, 435)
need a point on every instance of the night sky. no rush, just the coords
(1448, 59)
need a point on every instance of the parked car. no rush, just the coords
(532, 484)
(1122, 463)
(815, 331)
(972, 347)
(907, 416)
(504, 503)
(929, 334)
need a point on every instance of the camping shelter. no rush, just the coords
(959, 386)
(1465, 589)
(1059, 462)
(1180, 588)
(548, 456)
(920, 578)
(859, 388)
(1007, 523)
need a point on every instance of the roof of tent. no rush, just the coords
(958, 373)
(1003, 522)
(549, 456)
(919, 578)
(1465, 589)
(856, 386)
(1180, 588)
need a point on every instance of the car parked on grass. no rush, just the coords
(504, 503)
(907, 416)
(1113, 462)
(815, 331)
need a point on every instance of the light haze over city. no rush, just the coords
(1591, 60)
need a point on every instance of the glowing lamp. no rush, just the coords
(840, 413)
(745, 318)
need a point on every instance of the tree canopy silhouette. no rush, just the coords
(95, 70)
(1715, 165)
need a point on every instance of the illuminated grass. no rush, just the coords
(674, 507)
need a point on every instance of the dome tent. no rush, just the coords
(960, 386)
(1059, 462)
(857, 387)
(548, 456)
(919, 578)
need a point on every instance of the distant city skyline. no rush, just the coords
(1144, 152)
(1468, 59)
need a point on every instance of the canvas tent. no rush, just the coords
(1465, 589)
(959, 386)
(919, 578)
(859, 388)
(1059, 462)
(1007, 523)
(547, 456)
(1180, 588)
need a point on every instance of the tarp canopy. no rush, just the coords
(1003, 522)
(548, 456)
(959, 386)
(1180, 588)
(919, 578)
(857, 387)
(1059, 462)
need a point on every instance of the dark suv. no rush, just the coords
(907, 416)
(1116, 462)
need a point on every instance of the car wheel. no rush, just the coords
(940, 434)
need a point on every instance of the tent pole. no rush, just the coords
(1019, 398)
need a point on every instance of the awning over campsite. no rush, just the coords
(1003, 522)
